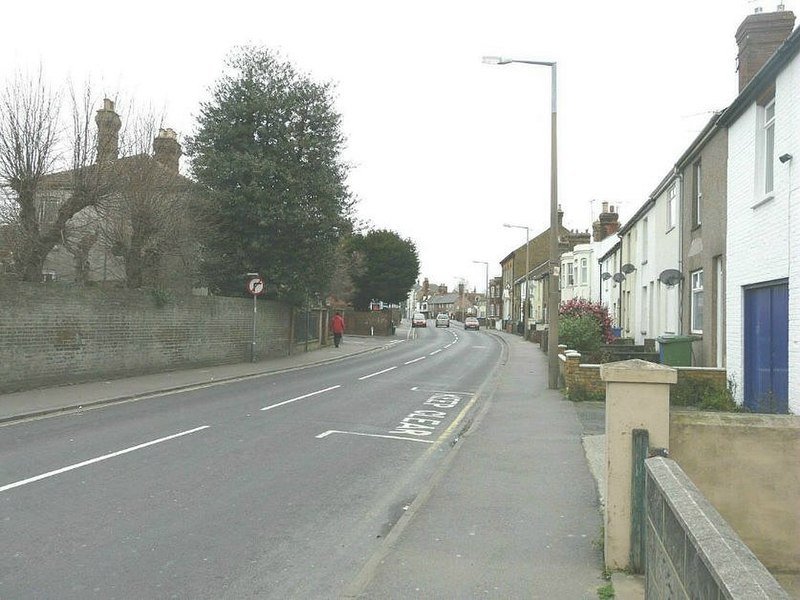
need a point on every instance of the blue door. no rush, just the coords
(766, 348)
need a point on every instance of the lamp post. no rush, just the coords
(486, 264)
(527, 273)
(553, 295)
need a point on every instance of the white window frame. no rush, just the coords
(672, 206)
(768, 166)
(584, 271)
(570, 274)
(697, 301)
(697, 195)
(644, 240)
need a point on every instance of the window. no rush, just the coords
(570, 274)
(584, 271)
(644, 240)
(697, 194)
(697, 302)
(769, 147)
(672, 206)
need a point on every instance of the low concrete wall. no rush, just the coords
(691, 552)
(747, 467)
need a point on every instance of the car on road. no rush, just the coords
(472, 323)
(418, 320)
(443, 320)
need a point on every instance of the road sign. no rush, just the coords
(256, 286)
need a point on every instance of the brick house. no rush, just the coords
(134, 231)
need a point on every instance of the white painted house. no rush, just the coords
(763, 222)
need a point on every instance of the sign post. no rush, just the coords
(256, 287)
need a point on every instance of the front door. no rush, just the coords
(766, 348)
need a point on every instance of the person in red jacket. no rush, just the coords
(337, 326)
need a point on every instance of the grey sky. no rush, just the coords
(446, 149)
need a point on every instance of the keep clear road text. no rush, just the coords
(422, 424)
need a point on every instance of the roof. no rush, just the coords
(443, 299)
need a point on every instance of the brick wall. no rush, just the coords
(53, 335)
(583, 380)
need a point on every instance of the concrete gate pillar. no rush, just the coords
(637, 397)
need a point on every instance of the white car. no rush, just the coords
(442, 320)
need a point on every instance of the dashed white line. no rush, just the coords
(435, 352)
(415, 360)
(378, 373)
(98, 459)
(271, 406)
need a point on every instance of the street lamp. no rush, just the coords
(553, 295)
(527, 273)
(486, 264)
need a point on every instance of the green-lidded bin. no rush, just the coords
(675, 350)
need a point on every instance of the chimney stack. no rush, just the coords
(607, 223)
(167, 150)
(758, 37)
(108, 126)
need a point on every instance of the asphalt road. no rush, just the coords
(278, 487)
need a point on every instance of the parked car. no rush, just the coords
(472, 323)
(443, 320)
(419, 320)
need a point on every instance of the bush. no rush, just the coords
(580, 332)
(704, 395)
(576, 307)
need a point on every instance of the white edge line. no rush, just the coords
(333, 387)
(98, 459)
(375, 435)
(415, 360)
(378, 373)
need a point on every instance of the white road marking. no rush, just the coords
(415, 360)
(98, 459)
(333, 387)
(435, 352)
(450, 344)
(388, 437)
(378, 373)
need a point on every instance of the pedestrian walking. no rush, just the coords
(337, 326)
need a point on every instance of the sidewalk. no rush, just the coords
(32, 403)
(514, 512)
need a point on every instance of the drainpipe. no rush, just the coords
(679, 175)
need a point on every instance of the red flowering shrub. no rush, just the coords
(578, 307)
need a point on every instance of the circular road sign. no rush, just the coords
(256, 286)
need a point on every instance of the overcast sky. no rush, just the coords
(445, 149)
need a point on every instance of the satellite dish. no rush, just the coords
(619, 277)
(628, 268)
(605, 275)
(670, 277)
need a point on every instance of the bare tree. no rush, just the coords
(40, 203)
(150, 221)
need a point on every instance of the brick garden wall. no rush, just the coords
(584, 379)
(52, 335)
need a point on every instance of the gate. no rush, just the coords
(766, 348)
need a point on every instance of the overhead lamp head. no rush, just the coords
(784, 158)
(495, 60)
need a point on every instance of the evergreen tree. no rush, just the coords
(268, 148)
(390, 267)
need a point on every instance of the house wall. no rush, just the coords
(51, 334)
(703, 244)
(759, 245)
